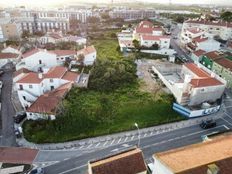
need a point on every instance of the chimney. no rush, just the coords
(213, 169)
(40, 75)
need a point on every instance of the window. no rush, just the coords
(51, 80)
(24, 97)
(21, 87)
(52, 87)
(30, 86)
(40, 61)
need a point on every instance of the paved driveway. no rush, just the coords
(7, 110)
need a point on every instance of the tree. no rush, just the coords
(93, 19)
(105, 16)
(136, 44)
(227, 16)
(25, 34)
(179, 19)
(74, 24)
(155, 46)
(81, 58)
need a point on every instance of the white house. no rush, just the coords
(89, 53)
(79, 40)
(12, 49)
(195, 56)
(216, 28)
(190, 33)
(37, 59)
(203, 43)
(149, 41)
(8, 57)
(32, 85)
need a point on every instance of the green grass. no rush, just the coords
(90, 113)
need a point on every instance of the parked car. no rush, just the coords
(19, 117)
(1, 72)
(18, 133)
(208, 124)
(37, 171)
(1, 84)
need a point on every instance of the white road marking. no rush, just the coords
(125, 139)
(119, 140)
(112, 142)
(187, 135)
(97, 144)
(66, 159)
(226, 121)
(151, 133)
(81, 147)
(226, 127)
(114, 150)
(89, 145)
(105, 143)
(228, 115)
(132, 137)
(145, 135)
(72, 169)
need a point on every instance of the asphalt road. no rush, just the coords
(7, 111)
(77, 161)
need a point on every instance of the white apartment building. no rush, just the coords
(187, 35)
(32, 85)
(89, 53)
(149, 41)
(215, 28)
(37, 59)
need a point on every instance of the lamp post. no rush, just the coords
(137, 126)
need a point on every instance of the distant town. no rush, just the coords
(116, 88)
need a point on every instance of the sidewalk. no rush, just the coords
(89, 142)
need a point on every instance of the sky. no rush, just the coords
(55, 2)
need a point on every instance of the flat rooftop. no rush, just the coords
(198, 155)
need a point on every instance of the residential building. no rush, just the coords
(190, 84)
(210, 157)
(216, 28)
(208, 58)
(196, 55)
(8, 57)
(89, 53)
(9, 29)
(126, 162)
(32, 85)
(190, 33)
(149, 41)
(37, 59)
(203, 43)
(35, 24)
(129, 14)
(12, 49)
(47, 105)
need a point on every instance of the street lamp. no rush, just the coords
(137, 126)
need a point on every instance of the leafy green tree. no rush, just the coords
(227, 16)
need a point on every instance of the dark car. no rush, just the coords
(208, 124)
(19, 117)
(1, 72)
(17, 133)
(37, 171)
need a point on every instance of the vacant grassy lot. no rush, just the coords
(91, 113)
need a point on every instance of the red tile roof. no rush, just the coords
(31, 52)
(30, 77)
(17, 155)
(200, 39)
(206, 22)
(224, 63)
(199, 52)
(63, 52)
(203, 79)
(48, 102)
(194, 30)
(127, 43)
(87, 50)
(8, 56)
(150, 37)
(20, 71)
(129, 162)
(56, 72)
(70, 76)
(213, 55)
(147, 23)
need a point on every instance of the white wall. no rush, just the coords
(90, 58)
(210, 45)
(11, 50)
(36, 116)
(48, 59)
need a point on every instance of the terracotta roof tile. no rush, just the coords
(198, 83)
(56, 72)
(200, 39)
(197, 155)
(48, 102)
(197, 71)
(130, 162)
(8, 56)
(31, 52)
(20, 71)
(87, 50)
(17, 155)
(224, 63)
(199, 52)
(194, 30)
(212, 55)
(70, 76)
(63, 52)
(206, 22)
(30, 77)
